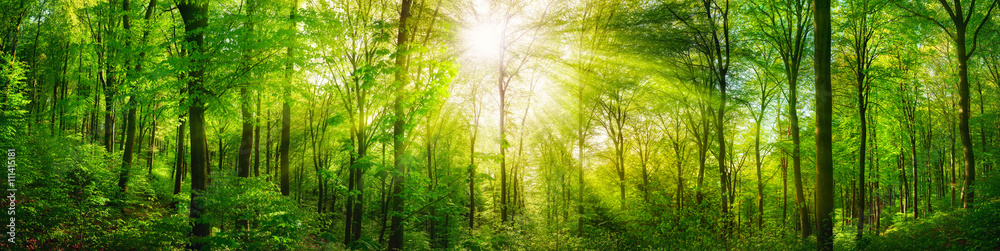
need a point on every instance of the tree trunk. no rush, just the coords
(256, 140)
(862, 150)
(286, 113)
(246, 137)
(126, 169)
(581, 141)
(267, 148)
(824, 136)
(800, 199)
(152, 143)
(702, 156)
(964, 112)
(913, 166)
(398, 128)
(179, 172)
(246, 145)
(351, 183)
(472, 169)
(501, 86)
(195, 16)
(760, 181)
(954, 179)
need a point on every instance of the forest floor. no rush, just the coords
(71, 202)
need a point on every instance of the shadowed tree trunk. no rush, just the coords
(129, 147)
(472, 157)
(246, 137)
(256, 140)
(179, 162)
(398, 130)
(286, 111)
(824, 136)
(195, 15)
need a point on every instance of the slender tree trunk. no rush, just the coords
(862, 150)
(351, 183)
(913, 167)
(501, 86)
(472, 167)
(784, 187)
(267, 147)
(396, 239)
(109, 120)
(904, 187)
(680, 173)
(954, 179)
(359, 187)
(800, 199)
(152, 146)
(179, 172)
(256, 140)
(581, 141)
(702, 157)
(760, 181)
(384, 203)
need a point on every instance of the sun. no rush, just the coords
(483, 40)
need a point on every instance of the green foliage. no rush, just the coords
(12, 100)
(963, 229)
(276, 223)
(70, 199)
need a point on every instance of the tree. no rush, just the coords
(286, 109)
(398, 130)
(615, 111)
(474, 126)
(130, 124)
(863, 21)
(764, 95)
(195, 15)
(785, 25)
(247, 133)
(824, 121)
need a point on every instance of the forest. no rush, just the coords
(500, 124)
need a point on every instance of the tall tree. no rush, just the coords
(764, 97)
(286, 108)
(398, 127)
(863, 22)
(824, 122)
(195, 16)
(474, 126)
(615, 112)
(786, 26)
(127, 155)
